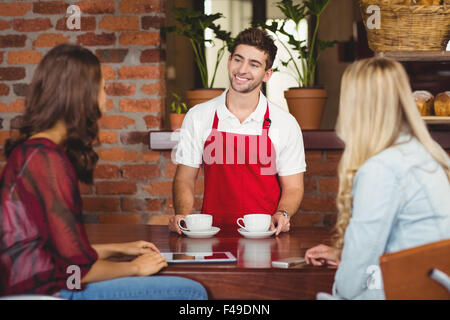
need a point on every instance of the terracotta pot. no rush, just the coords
(197, 96)
(176, 120)
(306, 105)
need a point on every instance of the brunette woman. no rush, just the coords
(42, 238)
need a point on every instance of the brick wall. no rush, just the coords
(132, 183)
(125, 35)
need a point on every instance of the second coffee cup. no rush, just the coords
(196, 222)
(255, 222)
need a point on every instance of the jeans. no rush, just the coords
(140, 288)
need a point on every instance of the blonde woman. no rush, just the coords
(394, 190)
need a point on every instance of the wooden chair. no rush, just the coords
(417, 273)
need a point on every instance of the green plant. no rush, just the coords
(192, 24)
(308, 54)
(178, 105)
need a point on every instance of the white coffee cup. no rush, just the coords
(196, 222)
(255, 222)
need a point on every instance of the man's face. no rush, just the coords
(246, 69)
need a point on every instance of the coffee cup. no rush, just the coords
(255, 222)
(196, 222)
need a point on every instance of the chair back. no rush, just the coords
(406, 273)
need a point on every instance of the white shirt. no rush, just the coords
(284, 132)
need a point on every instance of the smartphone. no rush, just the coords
(288, 262)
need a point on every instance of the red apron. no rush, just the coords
(239, 174)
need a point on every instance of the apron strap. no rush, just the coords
(267, 122)
(216, 121)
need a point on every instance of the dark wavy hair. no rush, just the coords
(260, 39)
(65, 87)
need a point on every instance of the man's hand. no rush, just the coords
(280, 222)
(173, 223)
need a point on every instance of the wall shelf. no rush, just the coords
(432, 56)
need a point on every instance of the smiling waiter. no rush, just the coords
(251, 150)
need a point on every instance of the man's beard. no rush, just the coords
(250, 87)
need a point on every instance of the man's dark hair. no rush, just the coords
(260, 39)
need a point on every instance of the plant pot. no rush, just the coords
(197, 96)
(176, 120)
(306, 105)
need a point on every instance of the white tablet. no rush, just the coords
(198, 257)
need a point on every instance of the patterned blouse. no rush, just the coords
(41, 225)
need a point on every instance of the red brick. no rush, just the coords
(143, 105)
(109, 105)
(138, 204)
(318, 203)
(333, 155)
(31, 25)
(16, 106)
(152, 22)
(316, 168)
(108, 72)
(1, 56)
(12, 73)
(115, 187)
(117, 154)
(101, 204)
(139, 6)
(140, 72)
(169, 169)
(119, 218)
(97, 6)
(92, 39)
(106, 171)
(135, 137)
(13, 41)
(84, 188)
(50, 40)
(313, 156)
(50, 7)
(159, 188)
(120, 89)
(4, 135)
(310, 184)
(111, 55)
(107, 137)
(140, 171)
(4, 89)
(152, 56)
(139, 38)
(86, 24)
(154, 88)
(150, 156)
(153, 122)
(159, 219)
(306, 219)
(5, 24)
(119, 23)
(24, 57)
(14, 9)
(115, 122)
(329, 185)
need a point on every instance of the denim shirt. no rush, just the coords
(401, 199)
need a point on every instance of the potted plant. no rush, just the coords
(307, 101)
(192, 24)
(178, 109)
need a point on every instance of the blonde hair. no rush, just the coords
(376, 105)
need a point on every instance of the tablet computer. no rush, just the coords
(199, 257)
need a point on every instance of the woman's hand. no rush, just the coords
(136, 248)
(148, 264)
(321, 255)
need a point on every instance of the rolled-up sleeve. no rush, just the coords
(189, 149)
(375, 203)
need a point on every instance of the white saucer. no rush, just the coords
(201, 234)
(256, 235)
